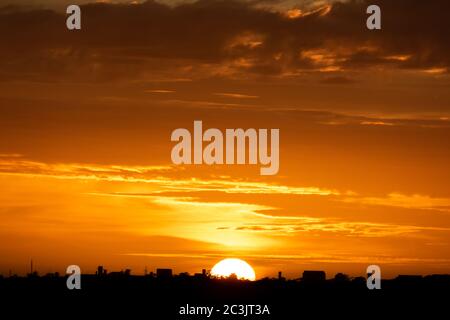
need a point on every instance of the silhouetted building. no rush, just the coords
(52, 275)
(101, 271)
(164, 273)
(202, 275)
(33, 273)
(313, 276)
(121, 273)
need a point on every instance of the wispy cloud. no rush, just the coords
(290, 258)
(236, 95)
(157, 176)
(349, 229)
(252, 218)
(377, 123)
(159, 91)
(415, 201)
(75, 170)
(10, 155)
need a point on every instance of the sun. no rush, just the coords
(239, 267)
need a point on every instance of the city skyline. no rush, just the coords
(309, 276)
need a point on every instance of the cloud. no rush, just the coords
(349, 229)
(294, 258)
(222, 38)
(10, 155)
(76, 170)
(161, 178)
(254, 219)
(415, 201)
(378, 120)
(376, 123)
(290, 225)
(236, 95)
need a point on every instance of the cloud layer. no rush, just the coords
(222, 38)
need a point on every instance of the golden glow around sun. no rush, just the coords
(239, 267)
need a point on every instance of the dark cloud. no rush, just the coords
(224, 38)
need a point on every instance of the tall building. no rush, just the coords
(163, 273)
(313, 276)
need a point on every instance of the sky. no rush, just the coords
(86, 116)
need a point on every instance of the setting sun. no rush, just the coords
(239, 267)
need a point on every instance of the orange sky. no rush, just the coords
(86, 118)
